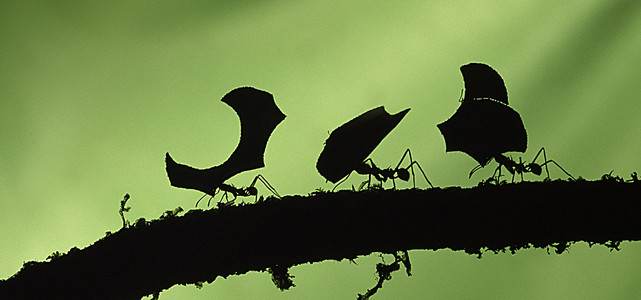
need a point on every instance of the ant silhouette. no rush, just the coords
(519, 168)
(370, 169)
(251, 190)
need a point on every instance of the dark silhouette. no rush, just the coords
(384, 272)
(481, 81)
(259, 116)
(348, 146)
(522, 167)
(123, 209)
(484, 126)
(203, 245)
(242, 191)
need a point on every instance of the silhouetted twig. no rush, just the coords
(384, 272)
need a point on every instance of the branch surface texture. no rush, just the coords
(275, 234)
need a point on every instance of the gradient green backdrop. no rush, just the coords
(93, 94)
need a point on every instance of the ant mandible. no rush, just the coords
(251, 190)
(519, 168)
(370, 169)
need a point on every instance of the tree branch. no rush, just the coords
(274, 234)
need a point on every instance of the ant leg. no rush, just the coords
(481, 166)
(521, 162)
(498, 169)
(564, 171)
(411, 166)
(342, 180)
(424, 176)
(360, 186)
(547, 172)
(369, 175)
(370, 161)
(201, 198)
(476, 169)
(267, 185)
(521, 173)
(205, 195)
(498, 177)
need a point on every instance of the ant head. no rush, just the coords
(251, 191)
(403, 174)
(535, 169)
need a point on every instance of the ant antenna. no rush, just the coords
(460, 99)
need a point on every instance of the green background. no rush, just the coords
(93, 94)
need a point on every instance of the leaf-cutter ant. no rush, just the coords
(521, 167)
(251, 190)
(370, 169)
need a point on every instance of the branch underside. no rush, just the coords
(202, 245)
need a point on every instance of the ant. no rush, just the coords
(519, 168)
(370, 169)
(251, 190)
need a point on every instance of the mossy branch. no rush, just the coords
(202, 245)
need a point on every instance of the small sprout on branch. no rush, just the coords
(609, 177)
(140, 223)
(123, 210)
(54, 255)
